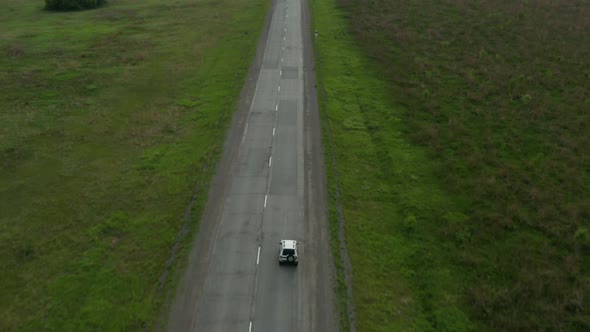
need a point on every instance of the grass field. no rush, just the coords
(108, 120)
(460, 131)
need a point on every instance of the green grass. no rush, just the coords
(458, 131)
(376, 168)
(108, 118)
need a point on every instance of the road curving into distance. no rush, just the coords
(270, 185)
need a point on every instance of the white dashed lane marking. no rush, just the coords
(258, 256)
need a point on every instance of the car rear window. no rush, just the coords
(288, 252)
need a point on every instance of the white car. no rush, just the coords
(288, 252)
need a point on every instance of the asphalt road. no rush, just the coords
(270, 185)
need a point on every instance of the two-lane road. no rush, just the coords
(270, 186)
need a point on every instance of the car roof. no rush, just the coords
(289, 244)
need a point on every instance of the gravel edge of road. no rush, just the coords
(317, 228)
(324, 126)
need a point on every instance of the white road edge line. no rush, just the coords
(277, 107)
(257, 258)
(270, 161)
(250, 328)
(245, 131)
(265, 197)
(279, 89)
(273, 131)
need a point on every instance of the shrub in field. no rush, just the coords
(582, 237)
(457, 227)
(409, 223)
(73, 4)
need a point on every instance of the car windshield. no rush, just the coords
(288, 252)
